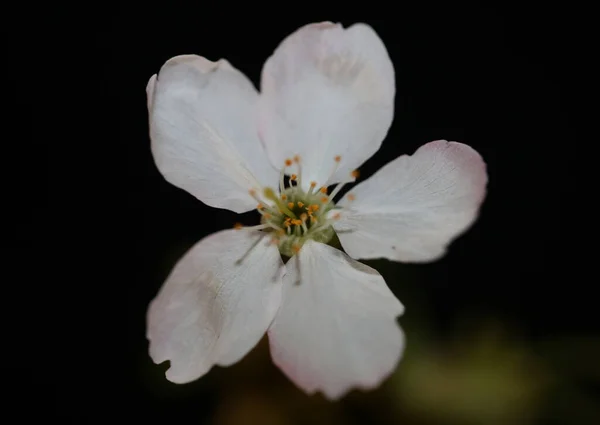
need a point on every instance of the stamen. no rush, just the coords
(323, 190)
(304, 217)
(337, 160)
(326, 222)
(290, 205)
(336, 190)
(288, 162)
(312, 187)
(300, 204)
(265, 213)
(270, 194)
(241, 259)
(296, 248)
(297, 161)
(253, 193)
(264, 208)
(281, 180)
(240, 226)
(355, 174)
(293, 177)
(324, 199)
(283, 196)
(351, 197)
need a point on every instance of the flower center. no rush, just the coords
(296, 216)
(292, 215)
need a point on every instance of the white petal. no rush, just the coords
(204, 135)
(213, 308)
(327, 91)
(150, 92)
(414, 206)
(336, 328)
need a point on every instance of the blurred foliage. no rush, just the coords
(486, 377)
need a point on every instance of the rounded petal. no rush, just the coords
(216, 304)
(204, 135)
(327, 91)
(336, 328)
(150, 92)
(414, 206)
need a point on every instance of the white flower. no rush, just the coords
(326, 104)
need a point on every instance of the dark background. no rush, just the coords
(501, 331)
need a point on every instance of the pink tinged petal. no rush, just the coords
(213, 308)
(203, 131)
(336, 328)
(327, 91)
(415, 206)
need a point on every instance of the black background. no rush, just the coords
(497, 78)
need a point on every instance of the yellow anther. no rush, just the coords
(288, 162)
(324, 199)
(290, 205)
(355, 174)
(267, 216)
(300, 204)
(296, 248)
(296, 158)
(312, 219)
(314, 207)
(237, 226)
(260, 206)
(303, 217)
(323, 190)
(313, 184)
(293, 177)
(297, 222)
(283, 196)
(338, 158)
(351, 197)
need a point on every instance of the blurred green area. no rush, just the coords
(483, 371)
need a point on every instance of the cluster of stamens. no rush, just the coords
(293, 216)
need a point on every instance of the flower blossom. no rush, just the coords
(325, 106)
